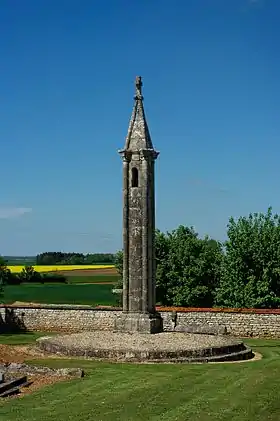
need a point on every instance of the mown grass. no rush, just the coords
(126, 392)
(25, 338)
(60, 294)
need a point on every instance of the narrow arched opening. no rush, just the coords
(134, 177)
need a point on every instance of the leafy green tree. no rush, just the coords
(250, 275)
(28, 274)
(162, 250)
(4, 275)
(4, 271)
(59, 258)
(118, 262)
(188, 268)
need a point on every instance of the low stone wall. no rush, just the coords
(243, 323)
(60, 318)
(240, 324)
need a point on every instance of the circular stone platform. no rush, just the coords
(139, 347)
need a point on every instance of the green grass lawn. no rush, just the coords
(126, 392)
(60, 294)
(21, 338)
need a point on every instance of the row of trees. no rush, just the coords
(59, 258)
(201, 272)
(28, 274)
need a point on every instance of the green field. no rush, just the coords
(60, 294)
(71, 293)
(125, 392)
(20, 260)
(74, 279)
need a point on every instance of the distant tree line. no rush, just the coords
(27, 275)
(59, 258)
(244, 271)
(20, 260)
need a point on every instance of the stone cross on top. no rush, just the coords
(138, 86)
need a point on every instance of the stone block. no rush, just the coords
(138, 322)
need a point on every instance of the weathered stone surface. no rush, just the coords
(209, 330)
(140, 347)
(139, 322)
(21, 368)
(138, 158)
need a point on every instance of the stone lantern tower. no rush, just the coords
(139, 268)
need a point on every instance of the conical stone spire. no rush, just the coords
(138, 136)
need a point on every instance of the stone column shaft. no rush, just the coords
(153, 264)
(145, 233)
(125, 236)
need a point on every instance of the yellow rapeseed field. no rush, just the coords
(46, 268)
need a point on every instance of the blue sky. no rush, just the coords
(210, 71)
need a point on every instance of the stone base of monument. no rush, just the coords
(165, 347)
(138, 322)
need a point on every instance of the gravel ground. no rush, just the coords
(166, 341)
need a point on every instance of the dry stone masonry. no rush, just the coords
(81, 318)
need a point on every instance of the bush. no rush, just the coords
(4, 272)
(29, 274)
(54, 278)
(188, 268)
(251, 266)
(7, 277)
(14, 279)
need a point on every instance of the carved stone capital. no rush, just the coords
(148, 154)
(125, 155)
